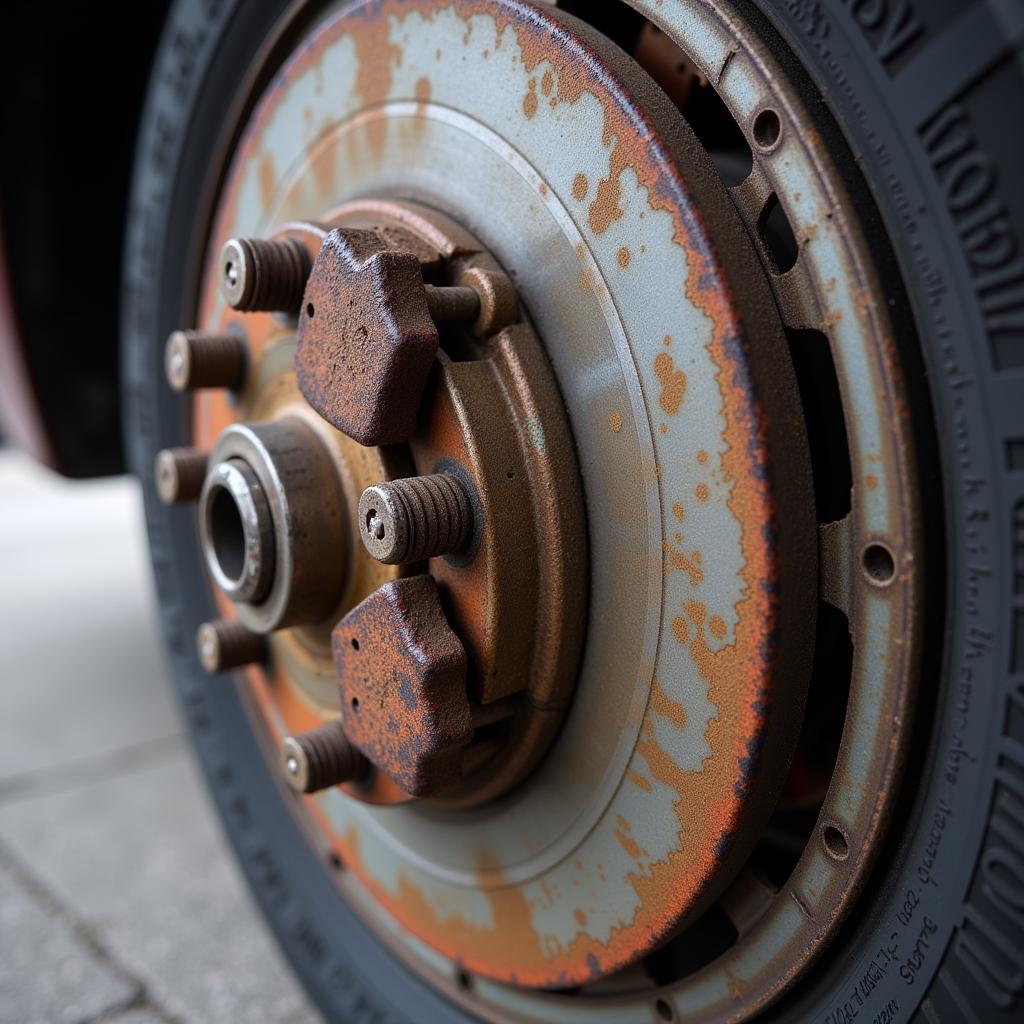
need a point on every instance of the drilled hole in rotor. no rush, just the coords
(777, 235)
(836, 843)
(822, 405)
(227, 534)
(665, 1012)
(355, 703)
(310, 311)
(465, 982)
(355, 644)
(879, 564)
(767, 128)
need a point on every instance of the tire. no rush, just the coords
(921, 94)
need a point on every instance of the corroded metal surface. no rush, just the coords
(366, 339)
(402, 676)
(679, 732)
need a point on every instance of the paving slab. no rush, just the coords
(49, 971)
(121, 902)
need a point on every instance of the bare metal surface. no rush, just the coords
(414, 519)
(193, 359)
(226, 644)
(179, 474)
(237, 531)
(264, 274)
(321, 757)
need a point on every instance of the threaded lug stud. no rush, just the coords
(452, 303)
(196, 359)
(414, 519)
(258, 274)
(226, 644)
(321, 758)
(179, 474)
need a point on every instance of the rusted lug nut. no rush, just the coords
(321, 758)
(196, 359)
(452, 304)
(414, 519)
(225, 644)
(179, 474)
(269, 275)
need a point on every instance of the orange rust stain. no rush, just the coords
(530, 99)
(624, 257)
(580, 187)
(268, 179)
(626, 841)
(663, 428)
(667, 340)
(581, 918)
(717, 627)
(673, 383)
(680, 629)
(544, 190)
(639, 780)
(679, 537)
(690, 564)
(871, 480)
(423, 91)
(606, 207)
(615, 421)
(547, 83)
(678, 511)
(375, 56)
(702, 456)
(702, 492)
(665, 706)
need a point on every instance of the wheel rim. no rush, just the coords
(775, 927)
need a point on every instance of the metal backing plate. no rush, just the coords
(564, 160)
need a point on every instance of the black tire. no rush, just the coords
(928, 97)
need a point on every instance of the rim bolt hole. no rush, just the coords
(836, 844)
(665, 1012)
(767, 129)
(879, 564)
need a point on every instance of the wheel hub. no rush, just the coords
(673, 445)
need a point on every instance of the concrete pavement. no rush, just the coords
(119, 900)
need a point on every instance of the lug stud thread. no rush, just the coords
(226, 644)
(321, 758)
(452, 304)
(414, 519)
(179, 474)
(196, 359)
(258, 274)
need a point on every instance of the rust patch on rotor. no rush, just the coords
(673, 383)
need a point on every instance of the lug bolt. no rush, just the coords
(455, 303)
(225, 644)
(321, 758)
(179, 474)
(196, 359)
(414, 519)
(258, 274)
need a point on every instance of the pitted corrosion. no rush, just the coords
(402, 678)
(366, 338)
